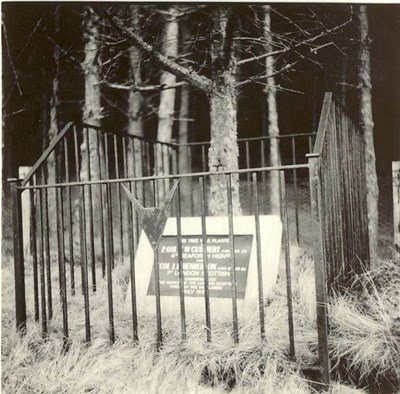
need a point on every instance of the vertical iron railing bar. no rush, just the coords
(259, 261)
(157, 281)
(121, 229)
(338, 222)
(344, 213)
(59, 218)
(41, 267)
(109, 207)
(110, 266)
(317, 208)
(61, 262)
(131, 236)
(263, 174)
(332, 262)
(148, 164)
(327, 219)
(248, 175)
(286, 238)
(362, 210)
(174, 158)
(327, 207)
(205, 257)
(78, 178)
(76, 153)
(338, 194)
(132, 269)
(45, 212)
(84, 264)
(165, 161)
(33, 241)
(296, 200)
(180, 264)
(353, 191)
(18, 248)
(192, 208)
(310, 148)
(354, 188)
(90, 206)
(203, 158)
(102, 209)
(155, 159)
(70, 222)
(349, 236)
(233, 262)
(135, 216)
(158, 189)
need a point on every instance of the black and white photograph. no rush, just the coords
(200, 197)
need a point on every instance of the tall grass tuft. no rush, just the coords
(365, 325)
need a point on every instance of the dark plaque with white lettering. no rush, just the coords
(219, 265)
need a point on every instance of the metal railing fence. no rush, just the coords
(84, 242)
(338, 162)
(81, 220)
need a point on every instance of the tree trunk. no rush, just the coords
(166, 107)
(135, 103)
(92, 114)
(367, 124)
(92, 111)
(273, 129)
(223, 153)
(184, 155)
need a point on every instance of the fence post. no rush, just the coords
(319, 268)
(396, 205)
(19, 274)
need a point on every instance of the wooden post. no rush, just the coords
(19, 270)
(396, 206)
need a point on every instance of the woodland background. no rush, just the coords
(70, 61)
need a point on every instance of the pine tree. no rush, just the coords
(273, 128)
(367, 124)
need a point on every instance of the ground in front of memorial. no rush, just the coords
(365, 344)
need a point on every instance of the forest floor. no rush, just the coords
(364, 343)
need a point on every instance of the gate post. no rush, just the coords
(319, 268)
(19, 269)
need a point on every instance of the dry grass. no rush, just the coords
(365, 324)
(31, 364)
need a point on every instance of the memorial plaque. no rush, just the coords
(219, 266)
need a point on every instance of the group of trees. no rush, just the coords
(153, 59)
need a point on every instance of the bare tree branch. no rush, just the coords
(143, 88)
(11, 61)
(169, 65)
(308, 41)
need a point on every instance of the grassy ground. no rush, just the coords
(365, 342)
